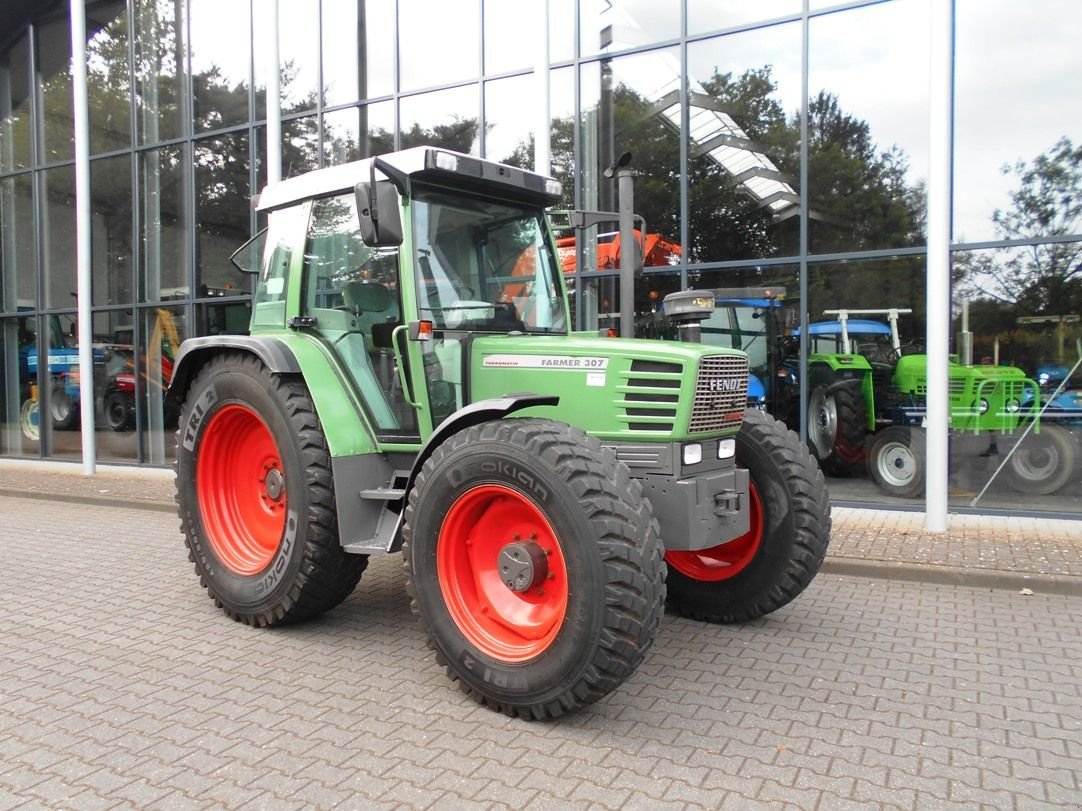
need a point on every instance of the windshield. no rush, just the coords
(485, 265)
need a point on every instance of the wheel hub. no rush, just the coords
(523, 565)
(274, 484)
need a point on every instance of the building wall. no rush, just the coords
(781, 144)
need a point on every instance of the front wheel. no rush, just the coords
(256, 496)
(777, 558)
(1044, 462)
(896, 461)
(534, 564)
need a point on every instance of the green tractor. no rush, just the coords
(882, 385)
(409, 383)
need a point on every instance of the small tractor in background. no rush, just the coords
(410, 383)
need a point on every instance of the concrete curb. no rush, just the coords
(96, 501)
(1066, 585)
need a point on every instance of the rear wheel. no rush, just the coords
(1044, 462)
(534, 564)
(777, 558)
(896, 461)
(837, 425)
(256, 496)
(119, 409)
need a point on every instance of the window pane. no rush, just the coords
(111, 230)
(744, 145)
(509, 120)
(220, 53)
(19, 409)
(621, 99)
(17, 271)
(1010, 107)
(58, 246)
(15, 106)
(612, 25)
(300, 146)
(505, 47)
(868, 137)
(298, 55)
(114, 386)
(166, 255)
(447, 118)
(358, 50)
(360, 132)
(160, 87)
(561, 30)
(58, 121)
(222, 214)
(431, 27)
(163, 328)
(562, 132)
(884, 399)
(108, 77)
(59, 393)
(714, 15)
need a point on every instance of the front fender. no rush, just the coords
(495, 408)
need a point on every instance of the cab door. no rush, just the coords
(352, 293)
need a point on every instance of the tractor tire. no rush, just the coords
(256, 496)
(30, 420)
(837, 426)
(119, 410)
(777, 558)
(534, 564)
(1044, 462)
(897, 461)
(63, 408)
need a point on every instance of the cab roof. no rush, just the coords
(423, 163)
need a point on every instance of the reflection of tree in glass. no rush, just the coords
(859, 197)
(1044, 278)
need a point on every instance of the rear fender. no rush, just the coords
(344, 426)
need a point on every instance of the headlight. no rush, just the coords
(1013, 406)
(726, 448)
(693, 453)
(982, 408)
(447, 161)
(554, 187)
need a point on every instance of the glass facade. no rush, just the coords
(778, 145)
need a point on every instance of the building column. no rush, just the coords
(274, 100)
(941, 78)
(81, 109)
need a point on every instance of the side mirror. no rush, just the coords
(377, 210)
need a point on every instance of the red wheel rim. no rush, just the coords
(725, 560)
(511, 626)
(241, 488)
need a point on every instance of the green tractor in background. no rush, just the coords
(410, 383)
(886, 384)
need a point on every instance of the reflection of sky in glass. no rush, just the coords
(506, 129)
(629, 23)
(439, 42)
(1015, 65)
(714, 15)
(875, 61)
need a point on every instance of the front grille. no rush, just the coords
(650, 398)
(721, 393)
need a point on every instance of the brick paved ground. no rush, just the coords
(122, 686)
